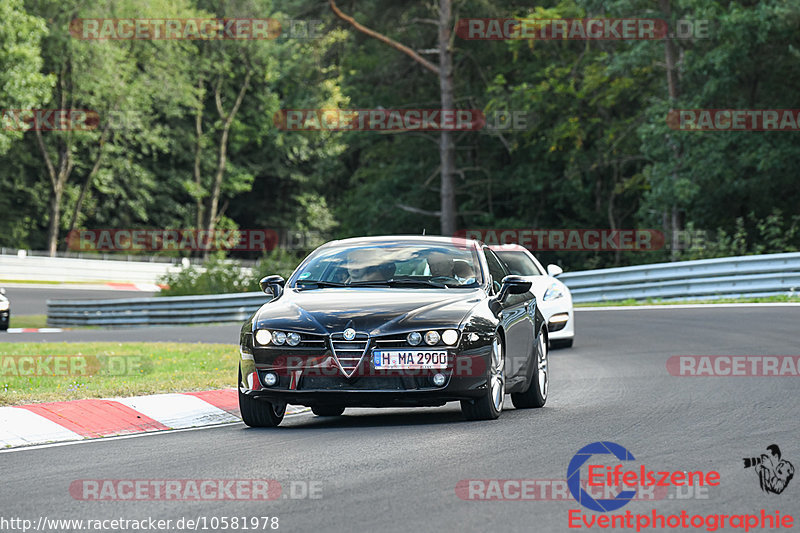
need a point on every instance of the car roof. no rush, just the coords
(507, 248)
(416, 239)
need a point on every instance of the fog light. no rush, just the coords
(450, 337)
(263, 337)
(557, 322)
(439, 379)
(432, 337)
(414, 338)
(292, 339)
(270, 379)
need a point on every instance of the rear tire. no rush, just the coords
(536, 395)
(259, 413)
(490, 405)
(562, 343)
(327, 410)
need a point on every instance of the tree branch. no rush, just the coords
(384, 39)
(418, 211)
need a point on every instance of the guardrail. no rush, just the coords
(169, 310)
(31, 268)
(755, 275)
(732, 277)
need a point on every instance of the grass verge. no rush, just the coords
(28, 321)
(764, 299)
(108, 369)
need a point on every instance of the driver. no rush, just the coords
(364, 265)
(440, 264)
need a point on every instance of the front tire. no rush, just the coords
(327, 410)
(490, 405)
(259, 413)
(536, 395)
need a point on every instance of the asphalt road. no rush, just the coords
(33, 301)
(396, 470)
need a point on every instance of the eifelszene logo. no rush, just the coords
(639, 476)
(774, 473)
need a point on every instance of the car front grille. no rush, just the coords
(392, 341)
(349, 353)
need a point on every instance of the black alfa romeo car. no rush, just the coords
(391, 322)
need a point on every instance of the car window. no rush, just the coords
(519, 263)
(400, 264)
(496, 269)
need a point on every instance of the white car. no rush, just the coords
(554, 298)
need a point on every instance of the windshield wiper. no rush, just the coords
(319, 283)
(394, 282)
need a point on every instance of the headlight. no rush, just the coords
(263, 337)
(414, 338)
(450, 337)
(432, 337)
(278, 338)
(292, 339)
(4, 306)
(553, 292)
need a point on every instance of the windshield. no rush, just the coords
(519, 263)
(392, 265)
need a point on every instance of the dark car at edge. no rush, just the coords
(5, 310)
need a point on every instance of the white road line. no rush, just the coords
(133, 436)
(35, 330)
(684, 306)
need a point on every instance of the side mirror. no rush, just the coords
(272, 285)
(554, 270)
(2, 291)
(513, 285)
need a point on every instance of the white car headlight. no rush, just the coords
(450, 337)
(263, 337)
(553, 292)
(4, 306)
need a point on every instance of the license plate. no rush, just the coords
(409, 359)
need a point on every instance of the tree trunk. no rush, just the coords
(198, 179)
(674, 93)
(57, 181)
(86, 185)
(227, 118)
(55, 215)
(447, 150)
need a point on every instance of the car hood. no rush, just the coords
(373, 310)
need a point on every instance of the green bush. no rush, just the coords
(220, 276)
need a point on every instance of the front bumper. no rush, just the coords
(5, 318)
(561, 330)
(323, 383)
